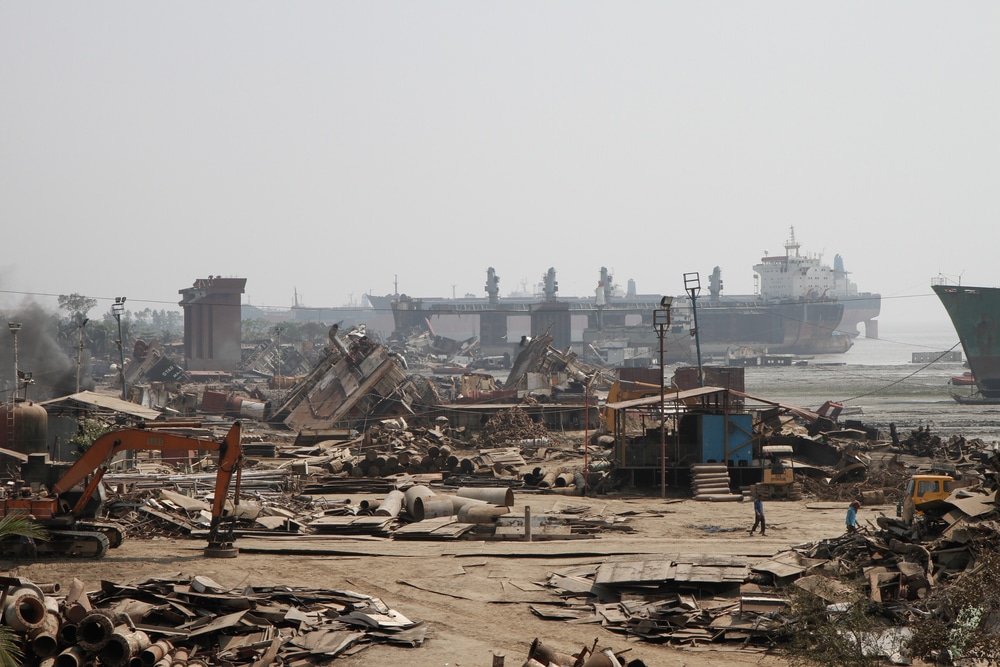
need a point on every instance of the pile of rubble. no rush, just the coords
(512, 425)
(691, 600)
(196, 622)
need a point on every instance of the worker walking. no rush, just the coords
(758, 516)
(852, 516)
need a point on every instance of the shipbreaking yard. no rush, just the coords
(391, 505)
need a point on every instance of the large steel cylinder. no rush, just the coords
(392, 504)
(413, 493)
(432, 507)
(30, 427)
(494, 495)
(24, 609)
(461, 501)
(95, 630)
(123, 646)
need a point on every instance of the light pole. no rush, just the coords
(277, 335)
(117, 308)
(692, 285)
(661, 322)
(14, 328)
(79, 350)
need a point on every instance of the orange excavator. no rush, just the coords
(64, 514)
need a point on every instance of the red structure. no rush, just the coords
(212, 323)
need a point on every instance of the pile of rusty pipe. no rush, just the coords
(95, 630)
(47, 662)
(44, 639)
(24, 608)
(153, 653)
(548, 481)
(122, 646)
(180, 658)
(564, 479)
(74, 656)
(494, 495)
(392, 505)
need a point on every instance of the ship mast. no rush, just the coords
(791, 244)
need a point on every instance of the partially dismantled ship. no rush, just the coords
(974, 312)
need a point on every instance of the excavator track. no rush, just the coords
(111, 531)
(60, 544)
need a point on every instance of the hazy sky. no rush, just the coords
(329, 147)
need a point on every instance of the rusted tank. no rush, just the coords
(30, 430)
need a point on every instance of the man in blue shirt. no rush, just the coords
(758, 517)
(852, 516)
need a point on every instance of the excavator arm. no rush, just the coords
(106, 447)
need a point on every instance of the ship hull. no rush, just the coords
(860, 308)
(975, 312)
(793, 327)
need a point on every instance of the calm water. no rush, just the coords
(878, 378)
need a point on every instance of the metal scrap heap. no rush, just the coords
(197, 622)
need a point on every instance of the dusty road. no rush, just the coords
(472, 593)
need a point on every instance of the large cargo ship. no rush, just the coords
(975, 311)
(794, 312)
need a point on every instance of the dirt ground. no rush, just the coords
(467, 591)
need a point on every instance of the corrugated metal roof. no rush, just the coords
(106, 403)
(669, 396)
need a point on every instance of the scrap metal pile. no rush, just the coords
(905, 573)
(196, 622)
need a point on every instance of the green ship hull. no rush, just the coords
(974, 312)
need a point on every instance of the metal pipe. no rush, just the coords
(545, 654)
(481, 513)
(495, 495)
(432, 507)
(44, 639)
(95, 630)
(122, 646)
(181, 656)
(74, 656)
(392, 504)
(24, 609)
(155, 652)
(67, 634)
(413, 493)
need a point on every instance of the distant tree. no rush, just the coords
(77, 304)
(256, 330)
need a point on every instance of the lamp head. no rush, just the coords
(666, 301)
